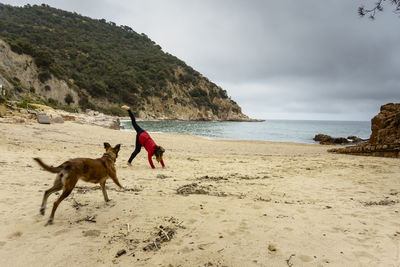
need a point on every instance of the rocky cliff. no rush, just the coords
(386, 125)
(385, 137)
(19, 77)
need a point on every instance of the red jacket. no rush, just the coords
(149, 144)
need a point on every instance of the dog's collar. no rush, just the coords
(106, 155)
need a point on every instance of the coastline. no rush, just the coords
(252, 203)
(273, 130)
(157, 120)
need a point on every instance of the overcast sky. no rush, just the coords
(282, 59)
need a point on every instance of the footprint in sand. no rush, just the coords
(60, 232)
(204, 212)
(186, 250)
(15, 234)
(45, 237)
(305, 258)
(192, 221)
(93, 233)
(288, 229)
(257, 207)
(243, 226)
(2, 243)
(231, 233)
(364, 256)
(301, 211)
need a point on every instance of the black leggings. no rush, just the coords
(139, 131)
(134, 124)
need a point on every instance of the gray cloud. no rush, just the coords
(278, 59)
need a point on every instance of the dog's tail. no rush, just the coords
(47, 167)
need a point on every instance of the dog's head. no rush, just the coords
(158, 152)
(112, 151)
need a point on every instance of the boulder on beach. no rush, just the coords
(324, 139)
(43, 119)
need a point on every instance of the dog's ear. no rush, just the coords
(117, 147)
(106, 145)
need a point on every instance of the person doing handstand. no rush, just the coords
(144, 139)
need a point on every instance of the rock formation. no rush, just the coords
(386, 125)
(324, 139)
(385, 138)
(19, 77)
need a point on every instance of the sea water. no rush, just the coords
(298, 131)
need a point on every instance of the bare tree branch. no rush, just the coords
(378, 7)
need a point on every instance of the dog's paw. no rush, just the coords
(42, 210)
(110, 203)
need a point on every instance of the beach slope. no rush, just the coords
(217, 203)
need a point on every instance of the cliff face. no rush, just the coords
(180, 105)
(385, 137)
(386, 125)
(19, 77)
(71, 61)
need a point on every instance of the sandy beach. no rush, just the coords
(217, 203)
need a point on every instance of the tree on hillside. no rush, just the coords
(69, 99)
(371, 12)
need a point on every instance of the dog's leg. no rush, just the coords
(68, 187)
(58, 185)
(113, 176)
(103, 188)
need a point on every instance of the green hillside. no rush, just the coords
(100, 59)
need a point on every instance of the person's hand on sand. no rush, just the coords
(126, 107)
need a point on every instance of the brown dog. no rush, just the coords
(89, 170)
